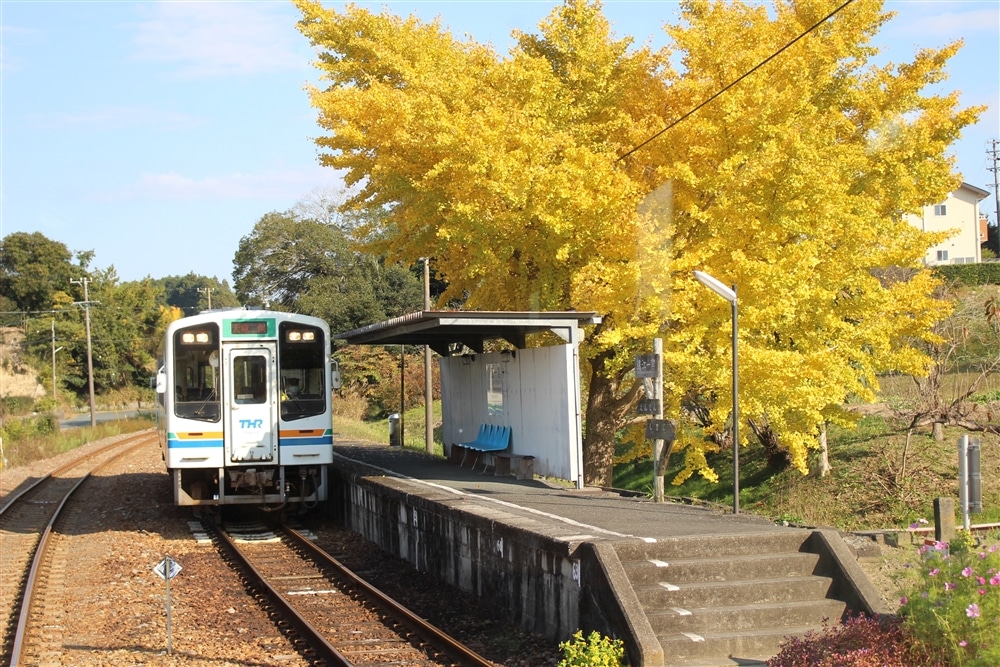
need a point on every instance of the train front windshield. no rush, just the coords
(196, 373)
(301, 358)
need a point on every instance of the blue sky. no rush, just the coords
(156, 134)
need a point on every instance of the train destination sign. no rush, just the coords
(248, 327)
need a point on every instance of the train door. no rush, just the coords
(251, 431)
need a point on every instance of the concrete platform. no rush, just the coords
(556, 559)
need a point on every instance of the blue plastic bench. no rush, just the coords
(491, 438)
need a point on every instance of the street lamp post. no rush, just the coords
(729, 294)
(428, 380)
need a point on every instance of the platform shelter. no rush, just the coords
(534, 391)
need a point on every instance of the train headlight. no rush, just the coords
(301, 336)
(190, 337)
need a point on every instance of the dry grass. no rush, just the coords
(882, 478)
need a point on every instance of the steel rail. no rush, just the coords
(14, 497)
(43, 543)
(317, 642)
(458, 651)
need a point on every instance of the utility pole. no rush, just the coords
(55, 403)
(208, 291)
(428, 384)
(994, 165)
(90, 357)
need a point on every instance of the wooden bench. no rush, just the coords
(491, 438)
(524, 465)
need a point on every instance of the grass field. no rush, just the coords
(870, 486)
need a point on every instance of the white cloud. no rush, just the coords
(927, 22)
(118, 117)
(8, 61)
(209, 39)
(289, 185)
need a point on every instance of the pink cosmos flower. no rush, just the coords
(902, 601)
(948, 586)
(972, 611)
(963, 643)
(995, 580)
(967, 572)
(934, 572)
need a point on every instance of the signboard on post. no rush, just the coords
(646, 366)
(649, 371)
(167, 569)
(659, 429)
(648, 406)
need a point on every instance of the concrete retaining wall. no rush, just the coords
(501, 559)
(540, 578)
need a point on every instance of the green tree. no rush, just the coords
(308, 266)
(275, 262)
(192, 293)
(518, 175)
(34, 269)
(127, 324)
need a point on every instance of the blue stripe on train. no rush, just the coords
(302, 442)
(192, 444)
(284, 442)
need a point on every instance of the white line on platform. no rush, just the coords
(503, 503)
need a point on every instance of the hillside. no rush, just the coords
(16, 377)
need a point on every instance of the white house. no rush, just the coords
(959, 214)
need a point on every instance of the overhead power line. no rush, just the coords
(740, 78)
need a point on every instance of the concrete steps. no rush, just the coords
(729, 599)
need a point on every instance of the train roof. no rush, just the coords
(219, 314)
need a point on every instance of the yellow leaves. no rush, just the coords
(791, 186)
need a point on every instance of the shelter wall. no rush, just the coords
(539, 404)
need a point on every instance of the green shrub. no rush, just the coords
(985, 397)
(594, 651)
(984, 273)
(17, 405)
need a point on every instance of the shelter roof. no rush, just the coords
(442, 329)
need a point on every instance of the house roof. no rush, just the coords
(441, 329)
(979, 192)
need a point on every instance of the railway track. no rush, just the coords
(31, 564)
(334, 616)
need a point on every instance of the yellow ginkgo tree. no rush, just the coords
(520, 175)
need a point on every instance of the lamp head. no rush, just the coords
(716, 286)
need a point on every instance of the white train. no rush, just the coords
(245, 414)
